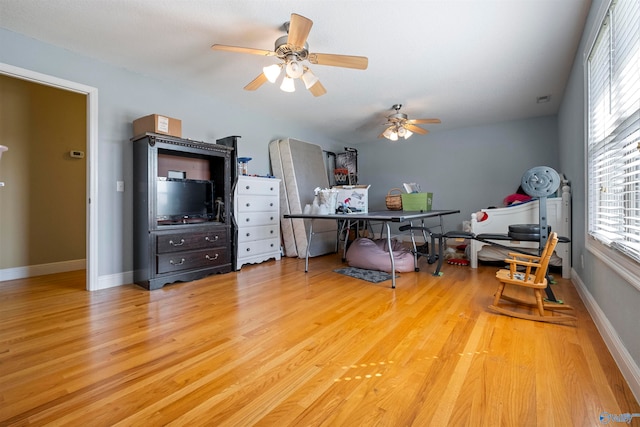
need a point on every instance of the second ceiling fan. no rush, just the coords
(293, 50)
(400, 126)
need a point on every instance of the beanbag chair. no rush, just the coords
(374, 255)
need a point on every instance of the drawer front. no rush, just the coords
(250, 219)
(264, 186)
(257, 204)
(185, 241)
(246, 249)
(168, 263)
(248, 234)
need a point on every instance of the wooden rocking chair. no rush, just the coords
(533, 276)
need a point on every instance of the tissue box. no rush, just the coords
(356, 197)
(417, 201)
(156, 123)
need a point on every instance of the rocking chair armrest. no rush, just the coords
(521, 255)
(522, 263)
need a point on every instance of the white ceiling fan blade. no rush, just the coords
(238, 49)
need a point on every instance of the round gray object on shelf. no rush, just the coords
(541, 181)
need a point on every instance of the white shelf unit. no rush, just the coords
(257, 213)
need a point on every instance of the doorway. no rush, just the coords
(91, 211)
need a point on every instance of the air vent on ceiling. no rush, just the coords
(542, 99)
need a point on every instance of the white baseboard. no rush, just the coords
(41, 269)
(104, 282)
(113, 280)
(629, 369)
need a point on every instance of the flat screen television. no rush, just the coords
(184, 200)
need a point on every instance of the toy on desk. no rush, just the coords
(343, 208)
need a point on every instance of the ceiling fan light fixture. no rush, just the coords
(401, 131)
(294, 69)
(390, 133)
(309, 79)
(407, 133)
(288, 84)
(272, 72)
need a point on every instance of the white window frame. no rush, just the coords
(624, 265)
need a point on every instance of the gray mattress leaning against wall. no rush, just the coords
(300, 167)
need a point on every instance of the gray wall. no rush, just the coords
(124, 96)
(615, 299)
(466, 169)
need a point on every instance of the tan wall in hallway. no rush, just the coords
(42, 206)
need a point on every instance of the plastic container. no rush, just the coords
(243, 165)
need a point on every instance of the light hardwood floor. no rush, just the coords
(273, 345)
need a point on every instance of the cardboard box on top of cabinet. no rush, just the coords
(156, 123)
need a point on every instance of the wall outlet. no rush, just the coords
(120, 186)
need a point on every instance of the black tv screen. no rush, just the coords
(178, 199)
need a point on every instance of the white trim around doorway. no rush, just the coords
(92, 151)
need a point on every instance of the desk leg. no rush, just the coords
(346, 240)
(393, 261)
(306, 257)
(415, 248)
(441, 243)
(440, 253)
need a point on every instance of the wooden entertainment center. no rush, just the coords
(172, 248)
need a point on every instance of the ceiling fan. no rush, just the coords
(400, 126)
(293, 50)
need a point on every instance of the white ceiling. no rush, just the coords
(467, 62)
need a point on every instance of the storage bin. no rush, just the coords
(417, 201)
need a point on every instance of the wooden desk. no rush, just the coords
(385, 217)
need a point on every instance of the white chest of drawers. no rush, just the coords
(257, 212)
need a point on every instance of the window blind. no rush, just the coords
(613, 151)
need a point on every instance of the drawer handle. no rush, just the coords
(248, 204)
(172, 243)
(215, 239)
(176, 263)
(271, 231)
(248, 249)
(248, 234)
(247, 220)
(215, 257)
(247, 187)
(271, 204)
(271, 189)
(271, 218)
